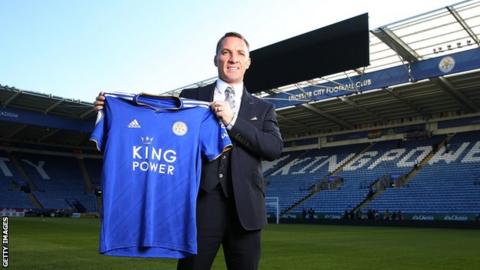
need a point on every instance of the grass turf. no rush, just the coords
(66, 243)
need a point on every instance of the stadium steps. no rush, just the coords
(86, 177)
(35, 200)
(23, 174)
(314, 190)
(370, 198)
(408, 176)
(422, 163)
(340, 168)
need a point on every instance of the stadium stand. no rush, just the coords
(13, 188)
(446, 184)
(48, 181)
(295, 180)
(383, 159)
(444, 179)
(94, 169)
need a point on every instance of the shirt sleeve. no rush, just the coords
(214, 139)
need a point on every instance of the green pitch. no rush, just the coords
(64, 243)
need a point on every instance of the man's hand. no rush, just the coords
(99, 101)
(223, 111)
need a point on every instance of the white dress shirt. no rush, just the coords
(219, 95)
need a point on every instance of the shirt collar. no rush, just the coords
(222, 85)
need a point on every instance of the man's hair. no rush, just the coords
(230, 34)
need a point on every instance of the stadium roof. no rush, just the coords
(424, 39)
(31, 117)
(422, 68)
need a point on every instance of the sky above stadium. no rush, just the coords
(76, 48)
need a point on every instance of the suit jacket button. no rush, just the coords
(220, 175)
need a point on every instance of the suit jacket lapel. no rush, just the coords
(245, 108)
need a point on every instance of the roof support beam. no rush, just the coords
(10, 99)
(461, 99)
(328, 116)
(83, 115)
(396, 44)
(408, 104)
(16, 131)
(54, 105)
(270, 92)
(361, 108)
(290, 123)
(50, 134)
(465, 26)
(176, 92)
(359, 71)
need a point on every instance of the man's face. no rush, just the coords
(232, 60)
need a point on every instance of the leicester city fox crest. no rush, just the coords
(179, 128)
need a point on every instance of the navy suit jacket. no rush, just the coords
(255, 137)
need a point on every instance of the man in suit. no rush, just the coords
(231, 201)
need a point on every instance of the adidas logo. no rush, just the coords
(134, 124)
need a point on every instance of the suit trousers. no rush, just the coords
(218, 224)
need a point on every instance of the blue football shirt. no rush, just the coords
(153, 148)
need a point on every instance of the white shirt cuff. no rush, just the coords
(232, 123)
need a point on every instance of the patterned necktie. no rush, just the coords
(230, 97)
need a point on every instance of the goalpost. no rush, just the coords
(272, 205)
